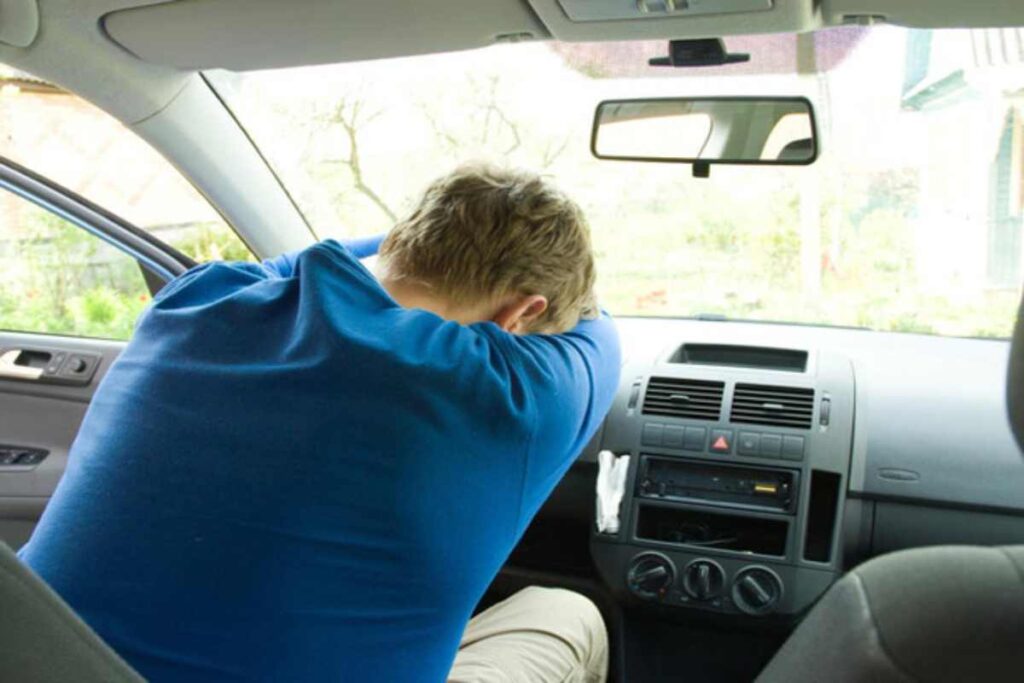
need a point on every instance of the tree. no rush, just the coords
(350, 113)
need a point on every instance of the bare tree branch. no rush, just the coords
(347, 115)
(492, 107)
(450, 140)
(551, 152)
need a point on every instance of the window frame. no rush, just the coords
(162, 261)
(159, 262)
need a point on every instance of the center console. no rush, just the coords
(736, 483)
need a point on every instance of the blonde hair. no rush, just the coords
(483, 232)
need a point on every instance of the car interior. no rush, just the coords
(806, 483)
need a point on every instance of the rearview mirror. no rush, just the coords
(707, 130)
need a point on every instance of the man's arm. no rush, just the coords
(361, 247)
(572, 378)
(280, 266)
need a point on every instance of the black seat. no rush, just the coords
(949, 613)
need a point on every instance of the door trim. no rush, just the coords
(162, 259)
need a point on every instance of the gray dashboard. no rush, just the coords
(919, 446)
(930, 422)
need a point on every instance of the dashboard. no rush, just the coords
(765, 460)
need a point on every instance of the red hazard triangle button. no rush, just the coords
(721, 441)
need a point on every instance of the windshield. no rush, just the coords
(910, 220)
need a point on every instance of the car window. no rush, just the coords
(64, 138)
(909, 220)
(56, 278)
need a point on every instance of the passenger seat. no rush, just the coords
(947, 613)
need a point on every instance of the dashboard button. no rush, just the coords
(793, 448)
(673, 437)
(652, 435)
(721, 440)
(749, 444)
(695, 438)
(771, 446)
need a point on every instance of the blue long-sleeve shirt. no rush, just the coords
(287, 476)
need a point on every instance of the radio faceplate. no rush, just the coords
(757, 488)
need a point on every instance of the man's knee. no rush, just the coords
(574, 618)
(544, 634)
(570, 605)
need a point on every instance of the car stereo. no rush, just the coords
(684, 480)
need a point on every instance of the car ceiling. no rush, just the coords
(252, 34)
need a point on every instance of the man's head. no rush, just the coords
(492, 244)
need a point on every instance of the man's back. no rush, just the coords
(289, 476)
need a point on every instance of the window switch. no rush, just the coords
(30, 458)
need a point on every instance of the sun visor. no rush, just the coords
(19, 22)
(926, 13)
(262, 34)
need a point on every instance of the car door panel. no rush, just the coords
(39, 415)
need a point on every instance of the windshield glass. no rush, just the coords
(910, 220)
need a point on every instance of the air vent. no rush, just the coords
(778, 406)
(692, 398)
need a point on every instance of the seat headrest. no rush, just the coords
(1015, 379)
(798, 150)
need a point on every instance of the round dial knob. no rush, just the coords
(757, 590)
(703, 580)
(650, 576)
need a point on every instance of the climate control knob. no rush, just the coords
(650, 576)
(703, 580)
(757, 591)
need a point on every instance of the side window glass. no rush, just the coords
(64, 138)
(56, 278)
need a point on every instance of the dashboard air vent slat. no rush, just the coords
(692, 398)
(776, 406)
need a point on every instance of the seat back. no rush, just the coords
(42, 640)
(947, 613)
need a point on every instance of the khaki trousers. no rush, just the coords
(539, 635)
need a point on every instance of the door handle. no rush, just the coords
(9, 369)
(49, 365)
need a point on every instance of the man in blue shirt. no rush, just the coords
(303, 471)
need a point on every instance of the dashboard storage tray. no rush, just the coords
(737, 533)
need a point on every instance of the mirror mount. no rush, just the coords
(698, 52)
